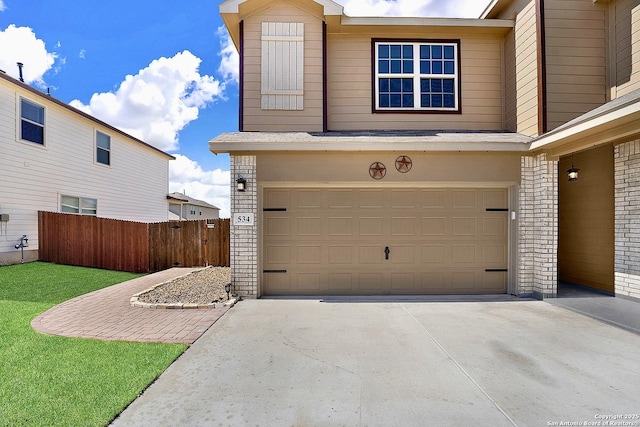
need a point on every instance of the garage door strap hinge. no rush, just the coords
(496, 270)
(497, 209)
(274, 271)
(274, 209)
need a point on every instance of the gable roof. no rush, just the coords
(190, 200)
(330, 7)
(48, 98)
(233, 11)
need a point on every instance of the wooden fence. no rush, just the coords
(131, 246)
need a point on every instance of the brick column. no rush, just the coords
(627, 215)
(538, 227)
(244, 238)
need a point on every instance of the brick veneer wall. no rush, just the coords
(627, 219)
(538, 227)
(244, 238)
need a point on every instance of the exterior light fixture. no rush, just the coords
(572, 173)
(242, 184)
(227, 289)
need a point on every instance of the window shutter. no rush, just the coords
(282, 66)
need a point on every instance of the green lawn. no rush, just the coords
(56, 381)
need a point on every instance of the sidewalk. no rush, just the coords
(106, 314)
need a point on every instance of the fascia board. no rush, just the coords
(429, 22)
(217, 147)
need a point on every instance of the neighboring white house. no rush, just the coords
(56, 158)
(183, 207)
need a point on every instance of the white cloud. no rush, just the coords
(434, 8)
(20, 44)
(2, 6)
(230, 60)
(158, 102)
(187, 176)
(82, 54)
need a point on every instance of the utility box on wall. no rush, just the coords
(4, 217)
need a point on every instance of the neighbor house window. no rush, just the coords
(31, 122)
(192, 210)
(416, 76)
(103, 148)
(79, 205)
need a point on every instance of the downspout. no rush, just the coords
(542, 68)
(241, 82)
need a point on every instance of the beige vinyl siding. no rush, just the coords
(526, 62)
(350, 86)
(575, 34)
(33, 177)
(521, 68)
(625, 47)
(352, 169)
(510, 99)
(255, 118)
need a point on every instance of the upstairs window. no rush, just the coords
(31, 122)
(79, 205)
(103, 148)
(416, 76)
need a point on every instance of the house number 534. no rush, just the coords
(243, 219)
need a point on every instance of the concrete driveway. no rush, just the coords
(311, 363)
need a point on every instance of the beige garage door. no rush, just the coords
(320, 241)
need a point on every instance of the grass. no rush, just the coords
(56, 381)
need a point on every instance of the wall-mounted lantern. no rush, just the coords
(242, 184)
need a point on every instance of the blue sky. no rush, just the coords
(163, 71)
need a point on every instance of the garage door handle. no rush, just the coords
(386, 252)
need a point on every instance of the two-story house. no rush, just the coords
(183, 207)
(56, 158)
(397, 155)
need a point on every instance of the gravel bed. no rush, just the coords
(199, 287)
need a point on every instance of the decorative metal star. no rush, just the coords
(403, 164)
(377, 170)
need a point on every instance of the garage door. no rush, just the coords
(320, 241)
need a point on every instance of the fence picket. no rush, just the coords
(132, 246)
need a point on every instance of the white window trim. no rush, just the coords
(19, 138)
(417, 76)
(79, 206)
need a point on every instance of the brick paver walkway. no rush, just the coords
(106, 314)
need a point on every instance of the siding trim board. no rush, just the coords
(241, 80)
(542, 68)
(325, 87)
